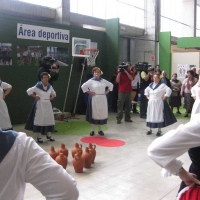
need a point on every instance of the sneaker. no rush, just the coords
(178, 112)
(149, 132)
(128, 120)
(158, 133)
(91, 133)
(101, 133)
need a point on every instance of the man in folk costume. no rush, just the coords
(23, 161)
(44, 121)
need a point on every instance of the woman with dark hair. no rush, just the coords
(44, 121)
(97, 108)
(187, 85)
(5, 89)
(175, 98)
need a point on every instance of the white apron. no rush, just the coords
(155, 104)
(44, 114)
(99, 107)
(4, 116)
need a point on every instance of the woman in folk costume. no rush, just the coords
(5, 123)
(44, 121)
(97, 109)
(196, 95)
(158, 112)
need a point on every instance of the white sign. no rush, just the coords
(182, 70)
(25, 31)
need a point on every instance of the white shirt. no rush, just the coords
(166, 149)
(26, 162)
(4, 86)
(135, 81)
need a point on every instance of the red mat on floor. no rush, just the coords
(102, 141)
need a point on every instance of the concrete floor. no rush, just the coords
(119, 173)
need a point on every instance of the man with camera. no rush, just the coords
(49, 65)
(124, 79)
(146, 79)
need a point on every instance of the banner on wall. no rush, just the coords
(26, 31)
(182, 71)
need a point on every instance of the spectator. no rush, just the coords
(175, 98)
(124, 79)
(165, 80)
(48, 65)
(135, 87)
(146, 77)
(187, 85)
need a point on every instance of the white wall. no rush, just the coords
(185, 58)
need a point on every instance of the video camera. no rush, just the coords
(122, 67)
(143, 66)
(46, 62)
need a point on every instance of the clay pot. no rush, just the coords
(53, 153)
(92, 148)
(87, 156)
(77, 147)
(61, 159)
(78, 162)
(63, 149)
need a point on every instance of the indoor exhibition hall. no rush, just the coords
(99, 99)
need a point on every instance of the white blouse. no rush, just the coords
(4, 86)
(27, 162)
(165, 150)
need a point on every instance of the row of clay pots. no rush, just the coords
(80, 159)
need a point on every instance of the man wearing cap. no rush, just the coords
(146, 79)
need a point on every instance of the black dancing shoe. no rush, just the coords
(158, 133)
(149, 132)
(92, 133)
(50, 138)
(101, 133)
(39, 140)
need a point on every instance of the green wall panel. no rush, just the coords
(188, 42)
(112, 48)
(23, 77)
(165, 52)
(112, 45)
